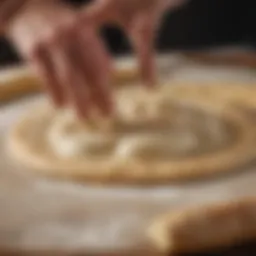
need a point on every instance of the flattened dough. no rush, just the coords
(206, 227)
(243, 95)
(153, 139)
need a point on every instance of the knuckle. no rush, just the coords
(68, 27)
(59, 33)
(51, 37)
(36, 50)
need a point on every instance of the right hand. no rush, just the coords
(68, 56)
(140, 20)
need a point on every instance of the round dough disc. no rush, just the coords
(29, 144)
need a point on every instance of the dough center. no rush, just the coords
(145, 127)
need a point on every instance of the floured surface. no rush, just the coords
(167, 141)
(41, 214)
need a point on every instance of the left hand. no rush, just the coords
(68, 56)
(140, 20)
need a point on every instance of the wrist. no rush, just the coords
(8, 10)
(21, 9)
(33, 11)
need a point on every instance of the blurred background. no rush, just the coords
(198, 25)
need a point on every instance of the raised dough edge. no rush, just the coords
(241, 154)
(221, 225)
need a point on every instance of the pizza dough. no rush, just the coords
(236, 94)
(152, 139)
(206, 227)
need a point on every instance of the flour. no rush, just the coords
(38, 213)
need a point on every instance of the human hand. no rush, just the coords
(68, 56)
(140, 20)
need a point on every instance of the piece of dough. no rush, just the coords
(205, 227)
(153, 139)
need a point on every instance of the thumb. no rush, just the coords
(174, 3)
(98, 12)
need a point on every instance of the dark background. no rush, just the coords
(199, 24)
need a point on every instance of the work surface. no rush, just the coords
(37, 214)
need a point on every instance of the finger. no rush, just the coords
(41, 58)
(69, 75)
(96, 68)
(174, 3)
(99, 12)
(142, 35)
